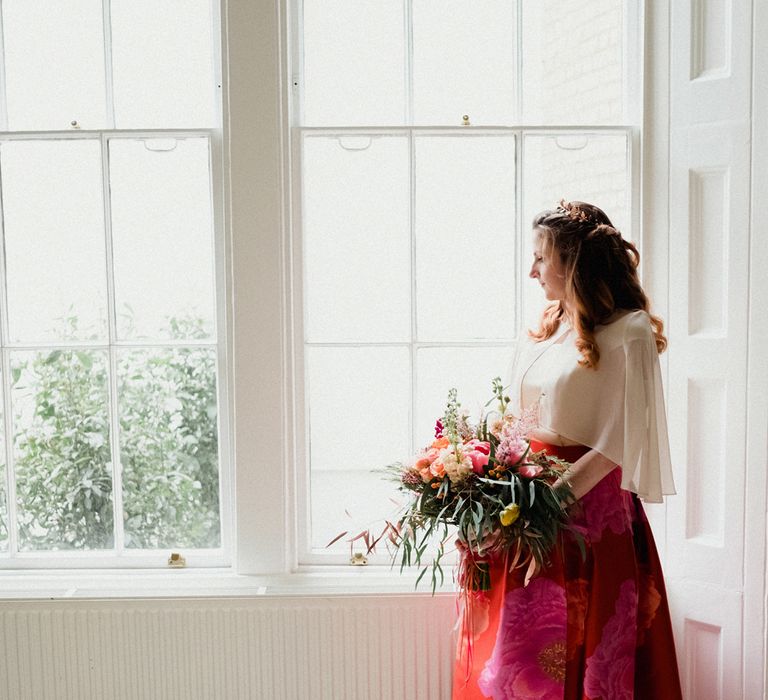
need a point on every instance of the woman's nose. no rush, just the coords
(533, 272)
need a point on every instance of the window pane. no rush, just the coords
(354, 62)
(353, 501)
(359, 420)
(162, 63)
(54, 64)
(588, 167)
(62, 452)
(169, 447)
(357, 244)
(53, 211)
(573, 67)
(464, 61)
(468, 369)
(162, 238)
(465, 223)
(341, 380)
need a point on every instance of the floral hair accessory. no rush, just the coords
(574, 211)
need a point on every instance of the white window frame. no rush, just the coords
(255, 253)
(120, 557)
(303, 556)
(306, 554)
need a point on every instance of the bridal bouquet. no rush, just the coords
(484, 480)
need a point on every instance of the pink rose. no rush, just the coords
(478, 452)
(530, 471)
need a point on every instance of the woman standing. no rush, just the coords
(591, 624)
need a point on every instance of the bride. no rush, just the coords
(594, 625)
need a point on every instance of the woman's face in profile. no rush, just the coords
(547, 269)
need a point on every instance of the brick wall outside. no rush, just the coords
(573, 74)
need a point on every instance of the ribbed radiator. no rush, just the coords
(360, 648)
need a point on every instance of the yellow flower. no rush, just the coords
(509, 514)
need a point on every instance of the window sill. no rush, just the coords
(213, 583)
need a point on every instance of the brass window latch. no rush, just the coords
(176, 561)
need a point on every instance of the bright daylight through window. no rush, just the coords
(428, 133)
(109, 438)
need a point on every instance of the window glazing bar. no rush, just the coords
(3, 97)
(114, 419)
(5, 369)
(106, 10)
(112, 133)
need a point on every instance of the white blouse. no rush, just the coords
(617, 409)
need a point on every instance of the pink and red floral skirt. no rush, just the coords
(585, 627)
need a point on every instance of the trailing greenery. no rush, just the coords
(482, 485)
(521, 516)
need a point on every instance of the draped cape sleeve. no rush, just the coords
(617, 409)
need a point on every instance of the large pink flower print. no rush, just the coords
(610, 671)
(606, 506)
(528, 660)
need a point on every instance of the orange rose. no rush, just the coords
(438, 469)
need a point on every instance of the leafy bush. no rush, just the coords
(168, 445)
(168, 441)
(61, 443)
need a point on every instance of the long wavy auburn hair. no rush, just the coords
(600, 275)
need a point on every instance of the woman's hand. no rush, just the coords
(585, 473)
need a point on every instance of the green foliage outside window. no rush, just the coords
(62, 455)
(168, 441)
(169, 448)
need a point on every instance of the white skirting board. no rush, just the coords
(397, 647)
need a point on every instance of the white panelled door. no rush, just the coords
(710, 93)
